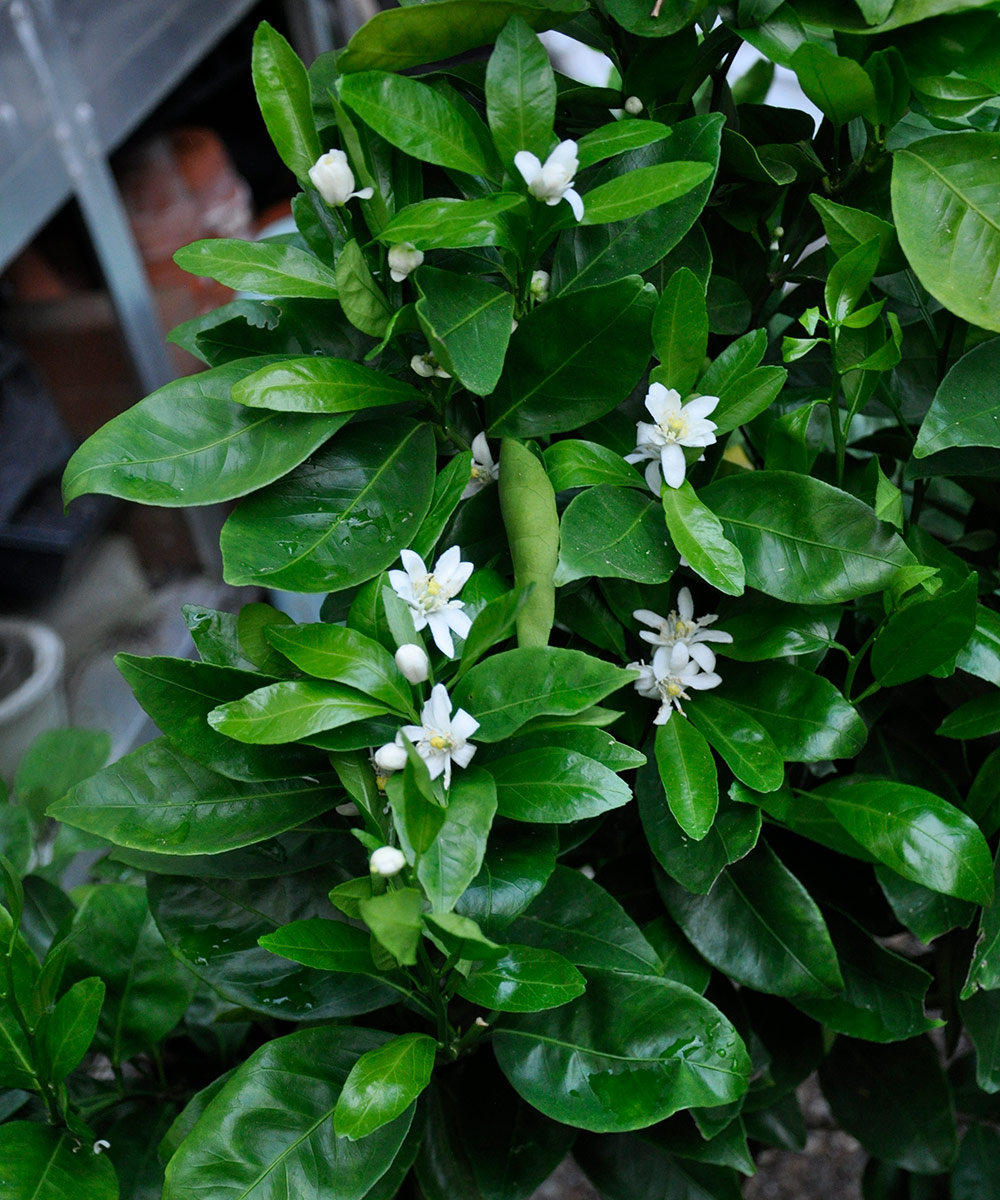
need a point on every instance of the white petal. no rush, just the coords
(463, 755)
(413, 563)
(656, 401)
(702, 656)
(528, 165)
(440, 708)
(685, 605)
(565, 156)
(713, 635)
(575, 202)
(441, 632)
(481, 450)
(412, 733)
(701, 406)
(463, 725)
(648, 617)
(674, 465)
(402, 585)
(661, 667)
(680, 656)
(460, 577)
(446, 565)
(473, 486)
(458, 620)
(364, 194)
(653, 477)
(663, 716)
(438, 763)
(648, 435)
(703, 680)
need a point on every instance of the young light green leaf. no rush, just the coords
(326, 945)
(71, 1026)
(553, 786)
(452, 224)
(697, 534)
(287, 711)
(680, 330)
(345, 656)
(383, 1083)
(687, 772)
(271, 268)
(282, 86)
(526, 979)
(394, 919)
(645, 188)
(321, 385)
(363, 301)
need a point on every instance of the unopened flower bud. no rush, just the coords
(427, 367)
(413, 662)
(539, 286)
(332, 177)
(633, 106)
(403, 258)
(390, 757)
(386, 860)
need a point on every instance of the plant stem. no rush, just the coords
(839, 439)
(432, 983)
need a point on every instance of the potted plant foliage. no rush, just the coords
(641, 439)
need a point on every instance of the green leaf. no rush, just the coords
(838, 86)
(452, 224)
(188, 444)
(468, 324)
(451, 482)
(980, 655)
(947, 214)
(761, 927)
(363, 301)
(608, 531)
(518, 863)
(680, 330)
(268, 1132)
(71, 1026)
(573, 359)
(977, 1171)
(847, 228)
(411, 36)
(555, 786)
(617, 137)
(687, 772)
(803, 540)
(531, 523)
(418, 120)
(516, 685)
(807, 717)
(17, 1064)
(883, 998)
(975, 719)
(271, 268)
(627, 1053)
(645, 188)
(524, 980)
(460, 937)
(746, 746)
(326, 945)
(449, 865)
(287, 711)
(340, 518)
(572, 464)
(697, 534)
(55, 761)
(917, 834)
(282, 86)
(394, 919)
(963, 411)
(41, 1162)
(925, 634)
(849, 279)
(320, 385)
(581, 921)
(924, 913)
(494, 621)
(15, 837)
(213, 926)
(158, 799)
(520, 93)
(895, 1100)
(345, 656)
(981, 1017)
(383, 1083)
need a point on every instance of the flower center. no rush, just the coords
(430, 595)
(672, 688)
(441, 742)
(674, 428)
(683, 629)
(477, 472)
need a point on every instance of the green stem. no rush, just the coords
(839, 439)
(852, 666)
(432, 984)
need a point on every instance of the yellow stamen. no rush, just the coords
(439, 742)
(673, 689)
(433, 587)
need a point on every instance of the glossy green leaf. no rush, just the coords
(981, 1017)
(394, 919)
(364, 303)
(382, 1084)
(984, 970)
(520, 93)
(268, 1132)
(282, 88)
(617, 137)
(526, 979)
(17, 1065)
(925, 913)
(418, 120)
(494, 621)
(461, 938)
(271, 268)
(55, 761)
(915, 833)
(572, 464)
(287, 711)
(640, 1167)
(980, 655)
(760, 926)
(343, 655)
(214, 927)
(838, 86)
(340, 518)
(512, 687)
(610, 531)
(581, 921)
(747, 747)
(189, 444)
(680, 330)
(975, 718)
(40, 1162)
(849, 279)
(698, 535)
(947, 214)
(977, 1170)
(925, 634)
(645, 188)
(531, 523)
(326, 945)
(71, 1026)
(895, 1100)
(803, 540)
(517, 865)
(963, 411)
(444, 223)
(451, 482)
(468, 325)
(627, 1053)
(554, 786)
(807, 717)
(158, 799)
(572, 360)
(320, 385)
(687, 771)
(455, 857)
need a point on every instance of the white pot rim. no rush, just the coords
(48, 655)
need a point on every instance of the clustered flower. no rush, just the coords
(441, 738)
(430, 595)
(552, 181)
(676, 425)
(682, 660)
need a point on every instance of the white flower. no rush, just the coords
(403, 258)
(389, 758)
(333, 178)
(442, 739)
(413, 663)
(430, 595)
(554, 180)
(484, 470)
(386, 860)
(672, 672)
(539, 286)
(676, 425)
(681, 625)
(427, 365)
(101, 1144)
(633, 106)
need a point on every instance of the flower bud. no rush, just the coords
(386, 860)
(332, 177)
(403, 258)
(633, 106)
(413, 662)
(539, 286)
(390, 757)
